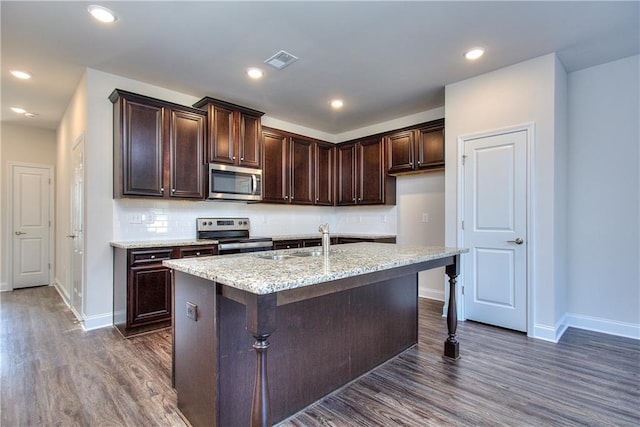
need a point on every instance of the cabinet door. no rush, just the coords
(186, 146)
(324, 160)
(221, 135)
(275, 185)
(250, 141)
(400, 149)
(371, 171)
(301, 170)
(346, 170)
(142, 150)
(430, 148)
(149, 294)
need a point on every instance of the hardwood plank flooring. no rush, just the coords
(54, 373)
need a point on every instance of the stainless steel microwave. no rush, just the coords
(228, 182)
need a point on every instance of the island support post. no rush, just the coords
(261, 323)
(451, 345)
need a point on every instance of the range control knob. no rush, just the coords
(210, 223)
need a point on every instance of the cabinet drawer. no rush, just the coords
(192, 252)
(287, 244)
(138, 257)
(312, 242)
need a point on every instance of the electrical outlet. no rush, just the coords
(425, 217)
(192, 311)
(136, 219)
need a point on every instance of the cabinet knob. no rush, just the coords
(410, 163)
(233, 158)
(359, 199)
(197, 253)
(162, 189)
(286, 197)
(242, 159)
(173, 190)
(354, 199)
(419, 162)
(153, 257)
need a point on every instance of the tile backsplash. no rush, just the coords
(161, 220)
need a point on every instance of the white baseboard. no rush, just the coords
(97, 321)
(431, 294)
(550, 333)
(62, 291)
(4, 287)
(611, 327)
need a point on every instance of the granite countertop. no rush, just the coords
(161, 243)
(253, 273)
(319, 236)
(190, 242)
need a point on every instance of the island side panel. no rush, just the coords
(195, 348)
(319, 345)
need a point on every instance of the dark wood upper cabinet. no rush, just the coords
(324, 159)
(234, 135)
(301, 171)
(296, 170)
(416, 150)
(275, 173)
(362, 178)
(186, 154)
(158, 148)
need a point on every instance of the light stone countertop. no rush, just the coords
(161, 243)
(319, 236)
(252, 273)
(142, 244)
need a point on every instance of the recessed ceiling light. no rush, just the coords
(18, 110)
(23, 75)
(30, 115)
(102, 14)
(337, 103)
(254, 73)
(473, 54)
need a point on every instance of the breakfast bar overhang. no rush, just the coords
(258, 337)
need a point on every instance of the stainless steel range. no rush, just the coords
(232, 235)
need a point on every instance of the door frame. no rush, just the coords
(529, 128)
(9, 230)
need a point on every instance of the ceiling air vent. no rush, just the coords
(281, 60)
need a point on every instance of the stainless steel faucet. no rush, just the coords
(326, 240)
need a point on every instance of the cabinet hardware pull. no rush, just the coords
(18, 233)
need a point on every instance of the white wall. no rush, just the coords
(20, 144)
(604, 185)
(519, 94)
(419, 195)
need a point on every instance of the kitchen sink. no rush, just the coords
(276, 257)
(305, 254)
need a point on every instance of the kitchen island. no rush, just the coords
(323, 321)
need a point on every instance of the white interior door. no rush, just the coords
(76, 248)
(495, 225)
(30, 225)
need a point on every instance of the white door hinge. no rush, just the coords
(462, 289)
(464, 158)
(462, 225)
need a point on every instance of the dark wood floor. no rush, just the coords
(53, 373)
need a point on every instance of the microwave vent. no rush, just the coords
(281, 60)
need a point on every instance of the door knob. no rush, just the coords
(18, 233)
(71, 236)
(518, 241)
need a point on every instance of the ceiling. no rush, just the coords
(385, 59)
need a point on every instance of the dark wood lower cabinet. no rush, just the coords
(142, 286)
